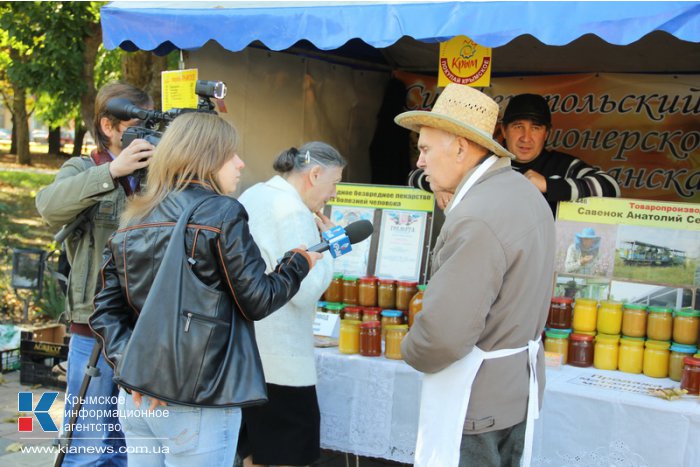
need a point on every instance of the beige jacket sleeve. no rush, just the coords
(78, 185)
(469, 264)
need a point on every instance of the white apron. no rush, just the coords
(445, 394)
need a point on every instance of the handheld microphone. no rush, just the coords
(338, 240)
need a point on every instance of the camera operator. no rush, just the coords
(94, 188)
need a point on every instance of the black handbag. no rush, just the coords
(189, 345)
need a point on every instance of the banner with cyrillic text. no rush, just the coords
(641, 241)
(644, 130)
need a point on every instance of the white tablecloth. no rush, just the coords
(369, 406)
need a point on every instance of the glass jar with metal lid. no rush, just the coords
(690, 381)
(349, 338)
(371, 313)
(405, 290)
(390, 317)
(656, 356)
(631, 358)
(386, 294)
(580, 350)
(607, 348)
(335, 308)
(368, 291)
(609, 317)
(685, 326)
(350, 290)
(394, 335)
(585, 314)
(370, 339)
(557, 341)
(675, 360)
(660, 323)
(415, 306)
(353, 313)
(560, 313)
(334, 292)
(634, 320)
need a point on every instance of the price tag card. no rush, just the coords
(327, 324)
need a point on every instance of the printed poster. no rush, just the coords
(629, 250)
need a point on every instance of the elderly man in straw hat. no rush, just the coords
(478, 337)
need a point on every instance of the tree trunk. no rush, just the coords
(93, 39)
(13, 144)
(78, 139)
(54, 140)
(21, 125)
(143, 69)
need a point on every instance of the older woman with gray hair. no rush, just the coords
(286, 210)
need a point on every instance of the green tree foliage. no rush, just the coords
(50, 49)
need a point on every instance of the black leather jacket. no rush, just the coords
(221, 367)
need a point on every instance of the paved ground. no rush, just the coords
(11, 440)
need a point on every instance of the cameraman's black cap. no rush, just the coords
(528, 107)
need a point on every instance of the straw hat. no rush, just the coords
(463, 111)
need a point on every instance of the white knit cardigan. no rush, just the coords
(280, 221)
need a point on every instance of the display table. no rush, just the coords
(369, 407)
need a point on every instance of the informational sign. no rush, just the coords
(463, 61)
(402, 219)
(327, 324)
(178, 89)
(653, 245)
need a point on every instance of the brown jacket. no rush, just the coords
(491, 283)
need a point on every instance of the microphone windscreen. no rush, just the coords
(358, 231)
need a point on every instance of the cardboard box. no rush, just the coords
(48, 341)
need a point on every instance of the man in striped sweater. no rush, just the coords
(525, 126)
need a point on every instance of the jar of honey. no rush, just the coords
(690, 381)
(631, 358)
(353, 313)
(609, 317)
(335, 308)
(656, 356)
(405, 290)
(415, 306)
(370, 339)
(659, 323)
(334, 292)
(634, 320)
(350, 290)
(557, 341)
(371, 313)
(685, 326)
(368, 291)
(585, 314)
(390, 317)
(675, 360)
(580, 350)
(606, 352)
(394, 335)
(560, 313)
(349, 337)
(386, 294)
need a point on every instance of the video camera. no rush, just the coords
(155, 122)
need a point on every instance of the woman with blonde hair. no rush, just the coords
(176, 317)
